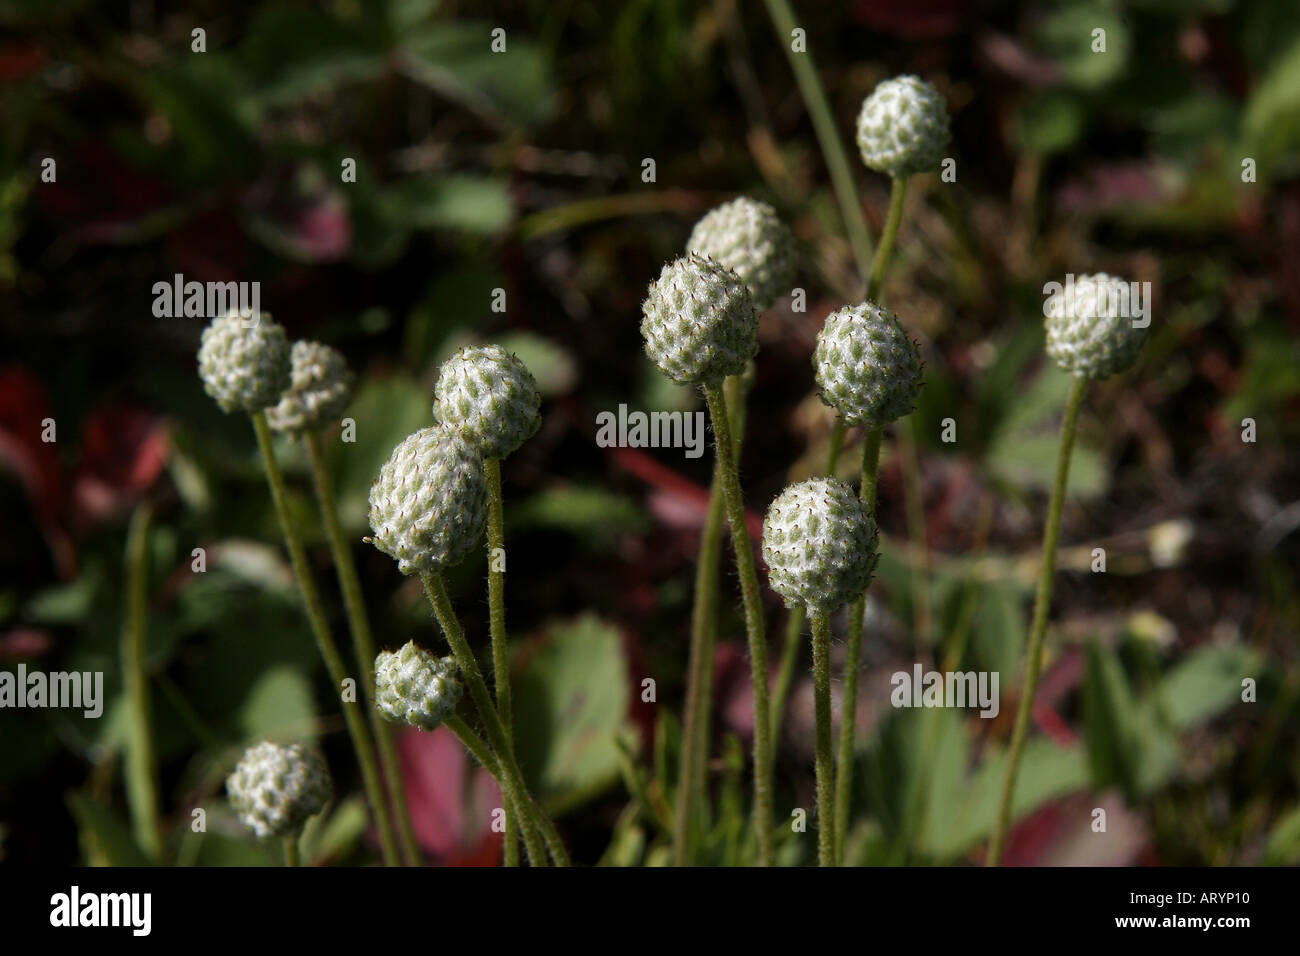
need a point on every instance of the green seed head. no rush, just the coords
(698, 322)
(490, 397)
(866, 366)
(244, 362)
(903, 127)
(1088, 333)
(429, 503)
(415, 687)
(275, 789)
(320, 392)
(748, 237)
(819, 542)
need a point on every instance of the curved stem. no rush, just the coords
(363, 643)
(823, 120)
(885, 251)
(496, 535)
(291, 857)
(744, 549)
(1042, 605)
(325, 643)
(852, 659)
(141, 756)
(531, 818)
(821, 645)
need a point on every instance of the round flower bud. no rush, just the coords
(1090, 330)
(903, 127)
(320, 392)
(415, 687)
(244, 362)
(749, 238)
(819, 542)
(490, 397)
(429, 503)
(698, 322)
(275, 789)
(866, 366)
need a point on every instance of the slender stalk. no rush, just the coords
(141, 756)
(363, 643)
(325, 642)
(827, 851)
(823, 120)
(496, 533)
(1042, 605)
(291, 857)
(532, 819)
(853, 658)
(885, 251)
(744, 549)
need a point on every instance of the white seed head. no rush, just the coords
(244, 362)
(749, 238)
(415, 687)
(490, 397)
(429, 503)
(819, 542)
(698, 322)
(1089, 333)
(866, 366)
(903, 127)
(275, 789)
(320, 391)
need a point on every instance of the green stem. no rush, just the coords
(1042, 605)
(823, 120)
(531, 818)
(885, 251)
(744, 549)
(141, 757)
(363, 643)
(821, 646)
(853, 658)
(325, 642)
(291, 857)
(496, 534)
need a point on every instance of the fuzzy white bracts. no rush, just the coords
(244, 362)
(490, 397)
(1090, 329)
(699, 322)
(429, 504)
(319, 392)
(866, 366)
(819, 542)
(415, 687)
(275, 789)
(903, 127)
(749, 238)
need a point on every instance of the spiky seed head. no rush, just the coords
(275, 789)
(415, 687)
(428, 505)
(748, 237)
(1090, 330)
(491, 397)
(866, 366)
(819, 542)
(319, 393)
(903, 128)
(244, 361)
(699, 322)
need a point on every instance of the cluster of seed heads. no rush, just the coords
(749, 238)
(415, 687)
(903, 127)
(1087, 334)
(244, 362)
(866, 366)
(275, 789)
(319, 392)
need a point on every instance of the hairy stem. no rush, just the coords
(821, 646)
(363, 643)
(744, 549)
(325, 642)
(852, 659)
(1042, 605)
(141, 756)
(496, 535)
(885, 251)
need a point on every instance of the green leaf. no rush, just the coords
(579, 511)
(278, 706)
(1205, 683)
(333, 838)
(474, 204)
(105, 840)
(1271, 123)
(570, 705)
(551, 363)
(1067, 36)
(1110, 721)
(1283, 847)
